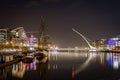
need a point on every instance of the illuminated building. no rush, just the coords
(108, 44)
(101, 44)
(5, 35)
(32, 42)
(19, 36)
(113, 44)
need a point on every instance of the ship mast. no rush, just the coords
(42, 34)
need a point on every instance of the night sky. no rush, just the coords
(95, 19)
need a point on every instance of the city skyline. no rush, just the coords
(94, 19)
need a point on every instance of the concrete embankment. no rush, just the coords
(9, 63)
(110, 51)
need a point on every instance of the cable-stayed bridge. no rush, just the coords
(91, 48)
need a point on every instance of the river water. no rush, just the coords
(67, 66)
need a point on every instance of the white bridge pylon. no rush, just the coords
(90, 46)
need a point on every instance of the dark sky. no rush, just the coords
(95, 19)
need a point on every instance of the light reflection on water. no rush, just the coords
(69, 65)
(20, 68)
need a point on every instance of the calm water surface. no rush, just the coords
(67, 66)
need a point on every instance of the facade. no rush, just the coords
(108, 44)
(5, 35)
(19, 36)
(18, 39)
(113, 44)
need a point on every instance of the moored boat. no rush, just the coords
(28, 59)
(42, 60)
(41, 53)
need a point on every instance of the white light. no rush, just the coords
(17, 34)
(31, 48)
(56, 48)
(115, 65)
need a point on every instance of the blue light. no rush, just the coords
(111, 42)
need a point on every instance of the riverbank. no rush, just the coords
(111, 51)
(9, 63)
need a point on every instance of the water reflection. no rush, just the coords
(73, 65)
(113, 60)
(4, 72)
(81, 62)
(85, 64)
(19, 69)
(24, 70)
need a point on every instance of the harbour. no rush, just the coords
(59, 40)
